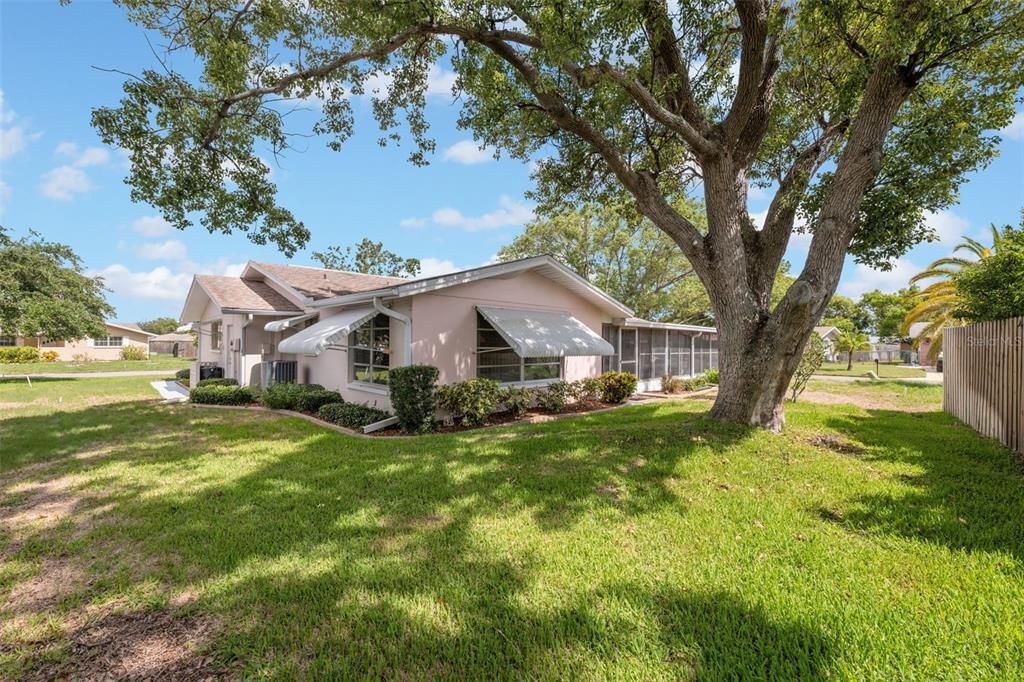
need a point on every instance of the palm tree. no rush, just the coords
(937, 301)
(851, 340)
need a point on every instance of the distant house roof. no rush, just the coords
(130, 326)
(173, 337)
(317, 283)
(825, 330)
(233, 293)
(916, 329)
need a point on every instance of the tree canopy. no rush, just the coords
(615, 249)
(44, 291)
(993, 288)
(161, 325)
(368, 257)
(859, 115)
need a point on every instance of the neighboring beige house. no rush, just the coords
(119, 334)
(829, 336)
(529, 322)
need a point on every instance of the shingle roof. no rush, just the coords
(241, 294)
(322, 283)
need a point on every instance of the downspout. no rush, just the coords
(406, 328)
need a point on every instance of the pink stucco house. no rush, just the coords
(530, 322)
(107, 347)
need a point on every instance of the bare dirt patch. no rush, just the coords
(44, 504)
(138, 645)
(836, 444)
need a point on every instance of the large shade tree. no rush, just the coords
(860, 115)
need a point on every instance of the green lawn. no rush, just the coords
(643, 543)
(156, 362)
(862, 368)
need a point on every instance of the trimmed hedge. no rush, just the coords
(474, 399)
(517, 400)
(221, 395)
(553, 397)
(351, 415)
(413, 396)
(616, 387)
(18, 354)
(286, 396)
(183, 373)
(216, 381)
(312, 401)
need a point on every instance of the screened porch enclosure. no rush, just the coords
(654, 352)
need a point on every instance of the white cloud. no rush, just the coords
(1015, 131)
(798, 241)
(948, 226)
(440, 81)
(161, 283)
(64, 182)
(509, 212)
(432, 267)
(13, 138)
(864, 278)
(412, 222)
(152, 226)
(5, 196)
(172, 249)
(467, 152)
(12, 141)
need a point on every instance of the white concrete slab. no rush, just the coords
(170, 391)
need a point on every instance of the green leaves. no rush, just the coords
(43, 291)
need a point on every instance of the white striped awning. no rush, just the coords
(288, 323)
(330, 331)
(545, 333)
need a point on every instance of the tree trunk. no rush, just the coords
(849, 364)
(755, 369)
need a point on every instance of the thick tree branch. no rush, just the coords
(669, 64)
(754, 59)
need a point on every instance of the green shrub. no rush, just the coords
(183, 373)
(711, 376)
(133, 353)
(351, 415)
(221, 395)
(216, 381)
(616, 387)
(671, 384)
(285, 396)
(18, 354)
(695, 383)
(553, 397)
(474, 399)
(516, 400)
(413, 397)
(312, 401)
(586, 390)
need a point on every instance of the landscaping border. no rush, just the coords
(534, 419)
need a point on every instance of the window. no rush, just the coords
(678, 353)
(7, 340)
(652, 353)
(108, 341)
(370, 351)
(628, 363)
(496, 360)
(215, 335)
(610, 333)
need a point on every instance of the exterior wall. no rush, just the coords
(331, 368)
(444, 323)
(67, 350)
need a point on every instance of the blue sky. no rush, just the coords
(59, 180)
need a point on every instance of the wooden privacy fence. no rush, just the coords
(984, 378)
